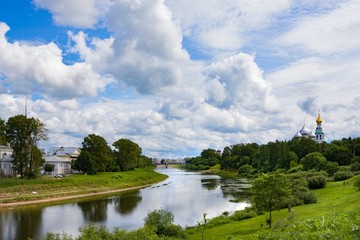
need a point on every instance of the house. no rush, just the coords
(61, 166)
(60, 158)
(6, 169)
(71, 153)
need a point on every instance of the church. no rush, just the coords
(318, 136)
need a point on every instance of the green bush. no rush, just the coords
(244, 214)
(216, 221)
(342, 175)
(357, 183)
(162, 222)
(317, 182)
(355, 166)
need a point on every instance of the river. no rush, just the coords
(188, 195)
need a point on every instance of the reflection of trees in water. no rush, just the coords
(127, 202)
(94, 211)
(20, 224)
(230, 187)
(210, 183)
(236, 187)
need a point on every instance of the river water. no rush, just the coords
(188, 195)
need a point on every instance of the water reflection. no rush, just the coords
(19, 224)
(126, 203)
(187, 195)
(94, 211)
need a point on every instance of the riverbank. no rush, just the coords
(21, 192)
(334, 202)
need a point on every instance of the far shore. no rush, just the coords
(70, 197)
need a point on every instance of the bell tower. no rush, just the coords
(319, 132)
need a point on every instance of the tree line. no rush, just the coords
(290, 156)
(23, 135)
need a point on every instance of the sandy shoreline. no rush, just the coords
(70, 197)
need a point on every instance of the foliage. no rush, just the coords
(2, 132)
(342, 175)
(246, 170)
(85, 163)
(300, 191)
(314, 160)
(208, 158)
(127, 154)
(202, 225)
(303, 146)
(49, 167)
(161, 221)
(317, 182)
(337, 225)
(23, 134)
(244, 214)
(339, 153)
(99, 150)
(271, 192)
(357, 183)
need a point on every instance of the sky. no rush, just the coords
(177, 77)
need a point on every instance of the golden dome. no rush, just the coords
(319, 120)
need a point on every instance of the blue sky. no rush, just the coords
(181, 76)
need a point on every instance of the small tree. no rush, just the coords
(85, 163)
(161, 222)
(202, 225)
(272, 192)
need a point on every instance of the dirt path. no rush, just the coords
(64, 198)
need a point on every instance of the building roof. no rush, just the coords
(64, 151)
(53, 159)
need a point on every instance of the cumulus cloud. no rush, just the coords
(309, 105)
(242, 80)
(79, 13)
(28, 69)
(148, 53)
(224, 25)
(334, 31)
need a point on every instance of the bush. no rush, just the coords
(342, 175)
(355, 166)
(245, 170)
(316, 182)
(357, 183)
(162, 223)
(244, 214)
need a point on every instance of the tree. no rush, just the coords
(127, 154)
(2, 132)
(162, 222)
(99, 150)
(338, 153)
(23, 134)
(85, 163)
(272, 192)
(313, 160)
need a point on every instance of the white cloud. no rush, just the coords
(334, 31)
(225, 25)
(39, 69)
(79, 13)
(148, 53)
(242, 79)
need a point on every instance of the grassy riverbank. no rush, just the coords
(14, 192)
(334, 202)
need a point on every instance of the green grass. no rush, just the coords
(17, 190)
(335, 198)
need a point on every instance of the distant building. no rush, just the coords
(318, 136)
(71, 153)
(6, 167)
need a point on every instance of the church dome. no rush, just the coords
(298, 135)
(312, 135)
(305, 131)
(319, 120)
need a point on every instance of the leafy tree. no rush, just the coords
(85, 163)
(99, 150)
(162, 222)
(2, 132)
(272, 192)
(49, 167)
(23, 134)
(313, 160)
(127, 154)
(338, 153)
(303, 146)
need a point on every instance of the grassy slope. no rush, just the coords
(17, 190)
(334, 197)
